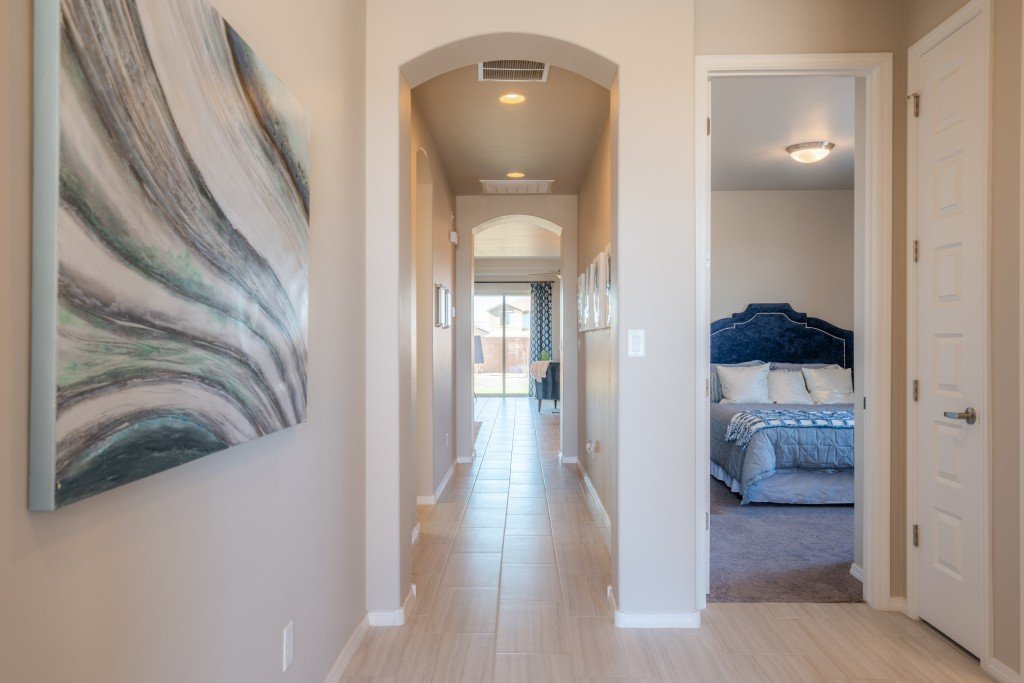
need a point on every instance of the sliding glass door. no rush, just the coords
(501, 343)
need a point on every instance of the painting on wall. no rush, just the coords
(594, 294)
(171, 237)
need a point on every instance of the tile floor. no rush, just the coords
(511, 571)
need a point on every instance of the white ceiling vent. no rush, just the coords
(517, 186)
(513, 70)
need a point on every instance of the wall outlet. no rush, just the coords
(591, 448)
(288, 646)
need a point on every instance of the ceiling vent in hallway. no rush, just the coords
(517, 186)
(513, 70)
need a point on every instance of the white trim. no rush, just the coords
(1001, 672)
(394, 617)
(917, 50)
(857, 572)
(651, 619)
(876, 70)
(415, 533)
(466, 460)
(657, 619)
(347, 652)
(567, 459)
(593, 491)
(898, 603)
(439, 491)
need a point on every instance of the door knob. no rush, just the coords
(970, 416)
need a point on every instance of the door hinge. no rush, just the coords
(917, 251)
(917, 537)
(865, 403)
(707, 386)
(915, 99)
(709, 125)
(917, 389)
(707, 521)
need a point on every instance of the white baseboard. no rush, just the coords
(857, 572)
(897, 603)
(567, 459)
(657, 619)
(593, 491)
(465, 460)
(651, 619)
(394, 617)
(415, 533)
(999, 671)
(347, 652)
(432, 500)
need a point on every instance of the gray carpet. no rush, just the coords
(780, 553)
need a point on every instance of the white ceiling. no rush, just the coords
(551, 136)
(755, 119)
(517, 239)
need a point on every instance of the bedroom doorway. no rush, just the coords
(795, 287)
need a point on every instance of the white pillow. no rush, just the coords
(744, 385)
(787, 386)
(829, 385)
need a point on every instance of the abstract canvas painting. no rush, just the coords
(171, 235)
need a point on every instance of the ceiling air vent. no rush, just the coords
(513, 70)
(517, 186)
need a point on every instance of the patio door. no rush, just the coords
(501, 340)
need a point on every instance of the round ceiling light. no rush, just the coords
(515, 174)
(512, 98)
(809, 152)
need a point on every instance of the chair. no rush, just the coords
(550, 388)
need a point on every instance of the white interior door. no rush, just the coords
(952, 321)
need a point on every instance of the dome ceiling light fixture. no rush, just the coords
(515, 174)
(512, 98)
(810, 152)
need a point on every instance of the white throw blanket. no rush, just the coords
(539, 369)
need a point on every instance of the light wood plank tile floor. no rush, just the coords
(512, 566)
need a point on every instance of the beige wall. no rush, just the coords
(472, 211)
(793, 246)
(435, 263)
(808, 26)
(736, 26)
(191, 575)
(598, 406)
(655, 207)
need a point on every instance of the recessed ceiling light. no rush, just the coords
(515, 174)
(512, 98)
(809, 152)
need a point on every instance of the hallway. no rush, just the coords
(511, 570)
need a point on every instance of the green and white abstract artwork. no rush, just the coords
(171, 234)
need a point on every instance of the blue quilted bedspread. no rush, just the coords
(751, 442)
(744, 425)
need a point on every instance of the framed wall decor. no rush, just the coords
(170, 248)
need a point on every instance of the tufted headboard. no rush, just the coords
(776, 333)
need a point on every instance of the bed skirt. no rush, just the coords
(795, 486)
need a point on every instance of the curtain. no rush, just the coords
(540, 322)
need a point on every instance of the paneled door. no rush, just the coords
(949, 187)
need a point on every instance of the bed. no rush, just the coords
(799, 454)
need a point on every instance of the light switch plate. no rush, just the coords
(637, 343)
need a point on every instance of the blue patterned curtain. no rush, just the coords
(540, 322)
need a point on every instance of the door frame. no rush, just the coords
(876, 71)
(916, 51)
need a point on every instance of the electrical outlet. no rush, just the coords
(288, 646)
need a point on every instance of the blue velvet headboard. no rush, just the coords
(776, 333)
